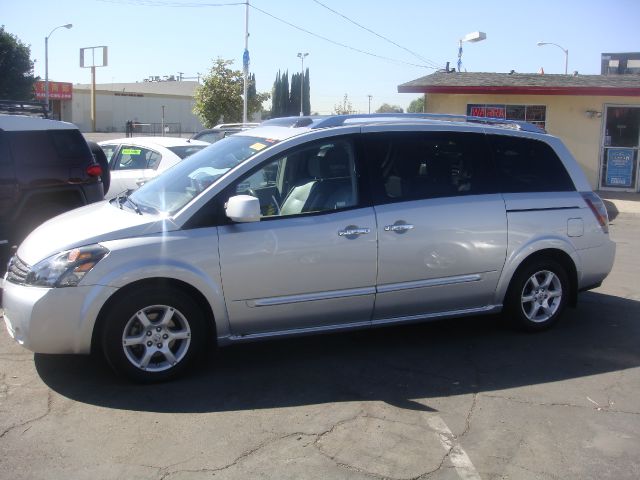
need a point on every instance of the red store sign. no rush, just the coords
(57, 90)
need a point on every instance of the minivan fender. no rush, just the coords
(549, 247)
(197, 281)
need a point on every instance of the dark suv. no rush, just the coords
(46, 168)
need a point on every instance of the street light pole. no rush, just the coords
(566, 54)
(46, 62)
(472, 37)
(245, 63)
(370, 97)
(301, 57)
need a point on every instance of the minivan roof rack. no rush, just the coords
(339, 120)
(20, 107)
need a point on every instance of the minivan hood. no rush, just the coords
(94, 223)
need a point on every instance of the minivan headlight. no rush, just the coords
(65, 269)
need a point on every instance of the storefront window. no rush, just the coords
(536, 114)
(620, 149)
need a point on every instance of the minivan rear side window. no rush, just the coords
(527, 165)
(419, 165)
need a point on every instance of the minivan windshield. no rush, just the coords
(173, 189)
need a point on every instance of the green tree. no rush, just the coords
(284, 94)
(417, 105)
(344, 108)
(294, 95)
(255, 99)
(386, 108)
(219, 98)
(16, 68)
(275, 97)
(306, 94)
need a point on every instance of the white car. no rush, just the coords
(135, 161)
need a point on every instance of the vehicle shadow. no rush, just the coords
(393, 365)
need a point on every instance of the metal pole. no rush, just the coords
(46, 72)
(162, 124)
(566, 61)
(370, 97)
(46, 62)
(93, 99)
(302, 87)
(246, 66)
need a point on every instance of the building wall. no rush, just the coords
(566, 118)
(113, 110)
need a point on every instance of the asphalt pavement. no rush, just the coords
(461, 399)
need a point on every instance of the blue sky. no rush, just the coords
(164, 37)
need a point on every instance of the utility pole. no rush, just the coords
(245, 63)
(370, 97)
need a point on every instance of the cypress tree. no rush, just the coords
(284, 98)
(294, 96)
(275, 96)
(307, 94)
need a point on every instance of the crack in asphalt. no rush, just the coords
(598, 408)
(238, 459)
(32, 420)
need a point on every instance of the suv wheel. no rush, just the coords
(537, 295)
(153, 334)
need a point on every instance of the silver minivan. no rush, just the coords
(316, 225)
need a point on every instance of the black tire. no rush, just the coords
(101, 158)
(168, 312)
(537, 295)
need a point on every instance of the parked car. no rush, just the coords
(46, 168)
(135, 161)
(212, 135)
(352, 222)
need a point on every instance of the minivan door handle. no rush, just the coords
(398, 227)
(353, 231)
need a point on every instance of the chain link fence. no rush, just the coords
(139, 129)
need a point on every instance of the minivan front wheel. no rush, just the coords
(153, 334)
(537, 295)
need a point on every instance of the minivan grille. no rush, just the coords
(17, 271)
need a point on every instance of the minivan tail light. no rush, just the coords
(94, 170)
(598, 209)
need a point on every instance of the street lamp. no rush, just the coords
(472, 37)
(301, 57)
(370, 97)
(46, 62)
(566, 54)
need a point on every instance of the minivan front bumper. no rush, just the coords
(53, 320)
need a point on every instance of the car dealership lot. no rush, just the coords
(447, 400)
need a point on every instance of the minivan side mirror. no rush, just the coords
(243, 208)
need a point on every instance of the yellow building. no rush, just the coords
(597, 116)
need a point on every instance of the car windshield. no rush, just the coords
(172, 190)
(183, 151)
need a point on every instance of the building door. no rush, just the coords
(619, 152)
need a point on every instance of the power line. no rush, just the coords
(417, 55)
(161, 3)
(338, 43)
(166, 3)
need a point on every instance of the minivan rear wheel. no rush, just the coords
(537, 295)
(153, 334)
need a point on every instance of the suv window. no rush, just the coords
(34, 147)
(418, 165)
(69, 144)
(314, 178)
(136, 158)
(527, 165)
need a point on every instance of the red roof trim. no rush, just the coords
(513, 90)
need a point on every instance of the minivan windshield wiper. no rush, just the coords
(123, 199)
